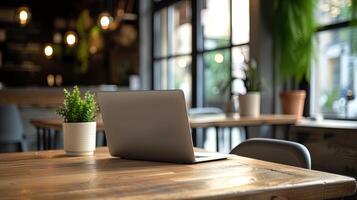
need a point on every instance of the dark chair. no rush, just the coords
(11, 130)
(273, 150)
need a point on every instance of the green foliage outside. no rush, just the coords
(76, 109)
(354, 24)
(217, 77)
(332, 96)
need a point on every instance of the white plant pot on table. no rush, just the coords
(79, 138)
(249, 104)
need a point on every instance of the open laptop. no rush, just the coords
(149, 125)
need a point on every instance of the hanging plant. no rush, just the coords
(294, 27)
(86, 32)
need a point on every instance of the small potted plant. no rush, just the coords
(249, 103)
(79, 126)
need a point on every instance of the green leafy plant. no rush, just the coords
(252, 80)
(294, 27)
(86, 31)
(77, 109)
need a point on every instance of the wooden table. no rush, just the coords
(52, 175)
(45, 125)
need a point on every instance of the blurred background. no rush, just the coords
(199, 46)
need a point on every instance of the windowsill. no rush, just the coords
(328, 124)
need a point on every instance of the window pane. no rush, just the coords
(240, 56)
(240, 21)
(215, 22)
(332, 11)
(335, 74)
(174, 74)
(160, 74)
(216, 78)
(182, 29)
(160, 33)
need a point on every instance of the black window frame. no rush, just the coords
(197, 48)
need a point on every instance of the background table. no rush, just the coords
(46, 125)
(52, 175)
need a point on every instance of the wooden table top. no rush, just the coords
(202, 121)
(223, 120)
(51, 174)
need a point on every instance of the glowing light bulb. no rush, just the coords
(105, 20)
(23, 15)
(71, 38)
(48, 50)
(50, 80)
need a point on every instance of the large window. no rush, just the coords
(334, 75)
(204, 57)
(172, 48)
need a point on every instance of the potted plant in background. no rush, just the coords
(294, 27)
(249, 103)
(79, 126)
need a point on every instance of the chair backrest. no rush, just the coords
(273, 150)
(11, 129)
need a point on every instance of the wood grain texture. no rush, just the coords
(203, 121)
(51, 175)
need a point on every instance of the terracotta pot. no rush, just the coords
(293, 102)
(249, 104)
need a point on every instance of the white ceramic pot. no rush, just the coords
(249, 104)
(79, 138)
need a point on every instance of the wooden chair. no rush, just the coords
(11, 130)
(273, 150)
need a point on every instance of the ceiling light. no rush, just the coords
(48, 50)
(71, 38)
(105, 20)
(23, 15)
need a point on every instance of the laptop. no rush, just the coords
(151, 126)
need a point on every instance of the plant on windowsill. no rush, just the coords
(79, 127)
(249, 103)
(294, 27)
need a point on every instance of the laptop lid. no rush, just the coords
(147, 125)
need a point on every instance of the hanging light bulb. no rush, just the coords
(105, 20)
(71, 38)
(23, 15)
(48, 50)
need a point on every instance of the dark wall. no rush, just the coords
(23, 62)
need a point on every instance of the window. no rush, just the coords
(172, 48)
(219, 53)
(334, 75)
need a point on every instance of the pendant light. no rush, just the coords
(71, 38)
(23, 15)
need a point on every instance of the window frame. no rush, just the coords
(197, 48)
